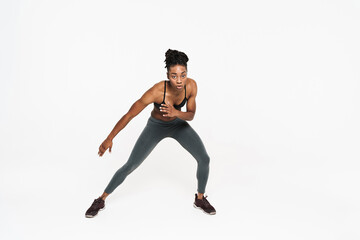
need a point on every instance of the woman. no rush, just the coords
(166, 120)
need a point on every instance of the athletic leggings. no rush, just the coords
(156, 130)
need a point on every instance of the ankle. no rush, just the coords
(104, 196)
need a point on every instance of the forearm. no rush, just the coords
(119, 126)
(187, 116)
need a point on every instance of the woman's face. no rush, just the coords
(178, 76)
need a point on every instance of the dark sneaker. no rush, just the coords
(204, 205)
(97, 205)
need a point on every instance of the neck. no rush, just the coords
(174, 90)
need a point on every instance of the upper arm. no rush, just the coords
(191, 104)
(147, 98)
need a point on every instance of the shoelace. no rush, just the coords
(96, 203)
(205, 201)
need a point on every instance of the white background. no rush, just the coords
(277, 109)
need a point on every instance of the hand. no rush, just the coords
(168, 109)
(104, 146)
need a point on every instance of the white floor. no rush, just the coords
(256, 197)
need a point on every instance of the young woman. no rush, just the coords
(166, 120)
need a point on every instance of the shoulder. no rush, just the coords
(159, 85)
(154, 93)
(191, 86)
(156, 88)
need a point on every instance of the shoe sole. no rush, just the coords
(212, 213)
(91, 216)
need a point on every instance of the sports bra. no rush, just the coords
(178, 107)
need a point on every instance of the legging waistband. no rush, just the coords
(151, 118)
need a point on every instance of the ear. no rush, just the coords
(167, 75)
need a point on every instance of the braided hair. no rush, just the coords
(174, 57)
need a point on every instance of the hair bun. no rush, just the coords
(174, 57)
(168, 53)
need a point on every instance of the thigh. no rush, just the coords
(190, 140)
(146, 142)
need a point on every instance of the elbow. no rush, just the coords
(192, 116)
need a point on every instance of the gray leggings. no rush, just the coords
(156, 130)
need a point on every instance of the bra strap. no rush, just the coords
(185, 90)
(164, 91)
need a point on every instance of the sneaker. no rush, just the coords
(204, 205)
(97, 205)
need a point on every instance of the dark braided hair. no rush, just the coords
(174, 57)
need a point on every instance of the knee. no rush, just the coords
(205, 160)
(126, 169)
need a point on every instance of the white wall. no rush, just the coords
(277, 109)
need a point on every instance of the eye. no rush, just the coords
(183, 76)
(173, 76)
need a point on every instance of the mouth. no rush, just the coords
(179, 86)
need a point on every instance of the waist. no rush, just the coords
(151, 118)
